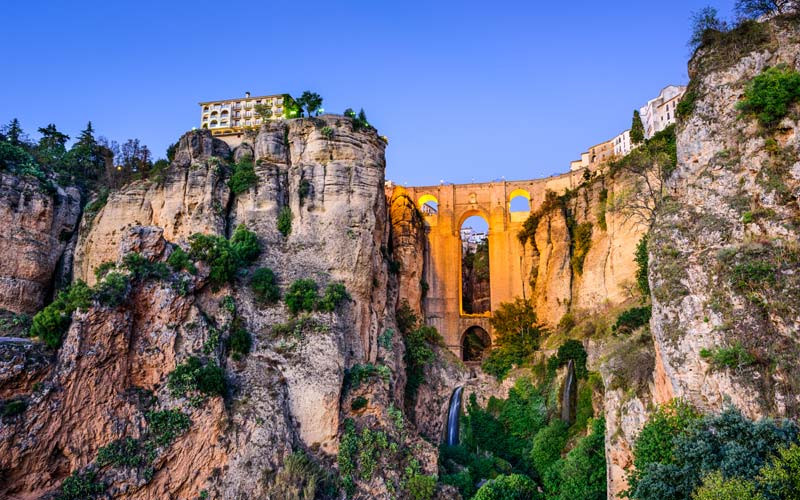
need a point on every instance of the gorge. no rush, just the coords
(276, 320)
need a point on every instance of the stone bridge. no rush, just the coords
(492, 201)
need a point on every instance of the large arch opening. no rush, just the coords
(475, 343)
(475, 292)
(519, 201)
(428, 204)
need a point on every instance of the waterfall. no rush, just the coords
(569, 397)
(451, 432)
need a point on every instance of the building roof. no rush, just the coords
(242, 99)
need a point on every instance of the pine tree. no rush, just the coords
(637, 128)
(14, 133)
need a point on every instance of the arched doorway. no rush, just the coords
(475, 290)
(475, 343)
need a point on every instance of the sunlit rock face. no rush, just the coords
(39, 225)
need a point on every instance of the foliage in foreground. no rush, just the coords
(770, 95)
(517, 337)
(678, 454)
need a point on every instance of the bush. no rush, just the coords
(51, 323)
(335, 294)
(243, 176)
(192, 375)
(547, 446)
(240, 343)
(142, 269)
(359, 403)
(641, 259)
(81, 487)
(716, 487)
(179, 261)
(103, 269)
(167, 425)
(298, 479)
(686, 105)
(285, 221)
(512, 487)
(581, 242)
(265, 286)
(245, 244)
(735, 356)
(421, 487)
(12, 408)
(781, 477)
(225, 257)
(359, 373)
(633, 318)
(517, 337)
(573, 349)
(770, 94)
(583, 471)
(419, 352)
(301, 296)
(121, 453)
(113, 290)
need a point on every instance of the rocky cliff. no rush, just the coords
(109, 379)
(39, 227)
(724, 254)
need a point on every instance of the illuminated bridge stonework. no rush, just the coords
(507, 260)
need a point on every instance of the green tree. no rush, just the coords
(14, 134)
(770, 95)
(265, 285)
(51, 147)
(510, 487)
(637, 128)
(716, 487)
(583, 471)
(264, 111)
(311, 102)
(86, 158)
(642, 262)
(301, 296)
(781, 476)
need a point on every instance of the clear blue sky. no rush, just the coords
(464, 90)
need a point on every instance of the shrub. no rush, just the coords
(421, 487)
(547, 445)
(359, 373)
(265, 286)
(81, 487)
(167, 425)
(641, 259)
(517, 336)
(716, 487)
(573, 349)
(113, 290)
(686, 104)
(179, 261)
(583, 471)
(103, 269)
(245, 244)
(192, 375)
(301, 296)
(243, 176)
(240, 343)
(512, 487)
(285, 221)
(142, 269)
(735, 356)
(359, 403)
(418, 353)
(781, 477)
(298, 479)
(303, 190)
(12, 408)
(581, 242)
(770, 94)
(121, 453)
(631, 319)
(52, 322)
(335, 294)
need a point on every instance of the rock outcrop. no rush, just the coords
(39, 225)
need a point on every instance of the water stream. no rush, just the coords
(569, 397)
(451, 432)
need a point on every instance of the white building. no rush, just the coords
(659, 113)
(622, 143)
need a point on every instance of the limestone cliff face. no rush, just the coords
(409, 246)
(605, 275)
(288, 392)
(191, 199)
(733, 210)
(38, 227)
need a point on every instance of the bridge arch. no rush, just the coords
(475, 343)
(516, 196)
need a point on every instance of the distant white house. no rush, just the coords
(622, 143)
(659, 113)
